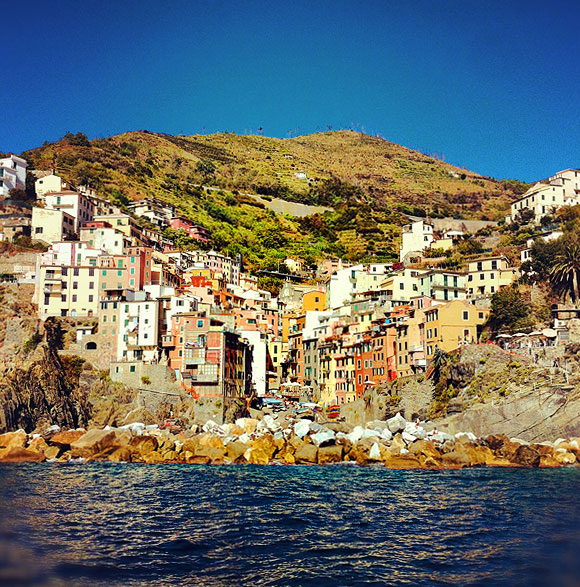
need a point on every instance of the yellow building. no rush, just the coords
(488, 275)
(314, 301)
(452, 325)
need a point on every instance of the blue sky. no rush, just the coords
(494, 86)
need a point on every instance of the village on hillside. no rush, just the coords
(160, 318)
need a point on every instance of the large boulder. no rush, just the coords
(144, 444)
(356, 434)
(17, 454)
(456, 459)
(249, 425)
(37, 444)
(375, 452)
(398, 444)
(528, 457)
(396, 423)
(256, 456)
(417, 431)
(564, 457)
(235, 451)
(329, 454)
(265, 444)
(16, 439)
(95, 441)
(525, 455)
(425, 448)
(306, 453)
(397, 461)
(302, 428)
(323, 438)
(65, 438)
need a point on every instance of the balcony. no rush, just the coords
(168, 340)
(188, 376)
(50, 289)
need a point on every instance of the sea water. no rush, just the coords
(130, 524)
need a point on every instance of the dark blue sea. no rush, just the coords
(118, 524)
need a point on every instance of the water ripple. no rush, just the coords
(112, 524)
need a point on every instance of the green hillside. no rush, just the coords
(368, 182)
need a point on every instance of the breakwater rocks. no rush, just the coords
(394, 443)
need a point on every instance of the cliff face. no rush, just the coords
(521, 395)
(43, 388)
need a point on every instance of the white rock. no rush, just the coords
(408, 438)
(386, 434)
(559, 441)
(403, 451)
(279, 435)
(375, 452)
(301, 428)
(441, 437)
(245, 438)
(356, 434)
(209, 425)
(370, 433)
(469, 435)
(322, 437)
(396, 423)
(414, 430)
(520, 441)
(272, 424)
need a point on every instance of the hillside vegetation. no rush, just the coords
(369, 183)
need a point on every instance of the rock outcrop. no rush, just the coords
(285, 440)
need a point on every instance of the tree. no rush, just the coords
(206, 168)
(509, 310)
(565, 274)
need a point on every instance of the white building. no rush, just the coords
(138, 330)
(415, 238)
(79, 206)
(12, 174)
(51, 226)
(50, 184)
(106, 238)
(547, 195)
(342, 285)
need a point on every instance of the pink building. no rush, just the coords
(197, 232)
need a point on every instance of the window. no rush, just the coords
(65, 271)
(481, 276)
(91, 285)
(75, 284)
(90, 298)
(481, 315)
(132, 368)
(74, 298)
(466, 315)
(76, 271)
(200, 323)
(91, 272)
(63, 298)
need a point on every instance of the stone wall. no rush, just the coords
(131, 373)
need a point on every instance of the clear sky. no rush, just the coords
(493, 85)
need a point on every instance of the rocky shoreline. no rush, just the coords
(394, 443)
